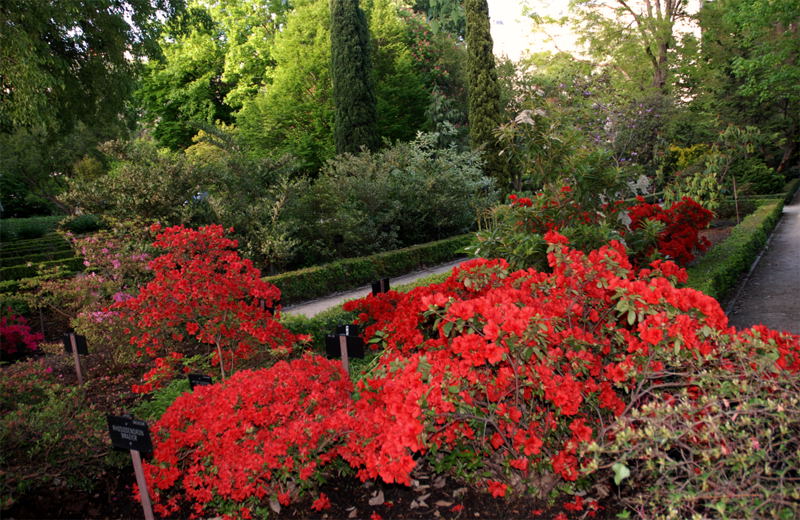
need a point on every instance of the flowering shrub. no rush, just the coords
(726, 446)
(16, 338)
(683, 221)
(506, 376)
(115, 266)
(202, 303)
(262, 435)
(515, 232)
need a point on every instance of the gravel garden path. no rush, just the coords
(770, 294)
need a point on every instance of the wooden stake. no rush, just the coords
(343, 349)
(76, 357)
(142, 483)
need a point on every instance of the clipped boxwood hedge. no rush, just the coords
(19, 272)
(322, 280)
(719, 270)
(10, 261)
(49, 242)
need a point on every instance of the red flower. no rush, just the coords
(321, 503)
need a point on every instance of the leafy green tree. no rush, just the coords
(637, 36)
(482, 86)
(750, 67)
(67, 69)
(294, 113)
(351, 69)
(444, 16)
(184, 90)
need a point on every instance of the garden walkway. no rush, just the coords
(314, 307)
(770, 294)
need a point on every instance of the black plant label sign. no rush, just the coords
(350, 329)
(355, 346)
(128, 433)
(199, 380)
(262, 304)
(80, 343)
(380, 286)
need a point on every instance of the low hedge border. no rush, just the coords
(34, 245)
(326, 321)
(19, 272)
(314, 282)
(57, 254)
(718, 272)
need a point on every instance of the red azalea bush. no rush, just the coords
(508, 376)
(16, 338)
(515, 232)
(683, 221)
(262, 435)
(203, 301)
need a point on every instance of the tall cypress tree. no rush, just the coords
(483, 101)
(353, 95)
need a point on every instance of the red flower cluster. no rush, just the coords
(16, 338)
(518, 369)
(260, 435)
(203, 300)
(683, 222)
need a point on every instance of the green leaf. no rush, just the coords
(621, 472)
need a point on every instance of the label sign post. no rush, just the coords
(345, 344)
(128, 434)
(76, 344)
(380, 286)
(199, 380)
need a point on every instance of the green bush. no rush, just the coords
(151, 410)
(50, 435)
(48, 242)
(719, 270)
(370, 202)
(313, 282)
(83, 224)
(753, 176)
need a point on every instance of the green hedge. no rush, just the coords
(10, 261)
(19, 272)
(32, 227)
(719, 270)
(314, 282)
(326, 321)
(49, 242)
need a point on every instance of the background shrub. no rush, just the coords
(82, 224)
(369, 202)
